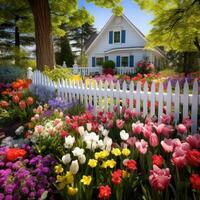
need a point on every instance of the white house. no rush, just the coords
(122, 42)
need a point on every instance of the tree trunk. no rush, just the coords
(185, 63)
(196, 43)
(43, 33)
(17, 42)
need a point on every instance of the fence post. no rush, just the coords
(75, 68)
(29, 73)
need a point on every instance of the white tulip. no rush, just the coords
(66, 159)
(78, 151)
(81, 130)
(107, 143)
(74, 167)
(89, 126)
(100, 127)
(124, 136)
(105, 132)
(82, 159)
(101, 144)
(19, 130)
(69, 142)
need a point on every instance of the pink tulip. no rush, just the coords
(110, 124)
(137, 127)
(167, 145)
(179, 155)
(194, 141)
(119, 123)
(39, 129)
(153, 140)
(131, 141)
(187, 122)
(141, 146)
(181, 128)
(147, 130)
(134, 113)
(166, 119)
(159, 128)
(159, 178)
(167, 131)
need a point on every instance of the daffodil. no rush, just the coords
(125, 174)
(111, 163)
(72, 191)
(69, 177)
(58, 169)
(92, 163)
(116, 151)
(86, 180)
(126, 152)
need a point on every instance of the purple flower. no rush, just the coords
(25, 190)
(1, 196)
(8, 197)
(32, 195)
(9, 188)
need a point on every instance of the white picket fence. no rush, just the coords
(104, 96)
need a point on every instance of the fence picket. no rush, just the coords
(131, 92)
(177, 103)
(111, 97)
(124, 88)
(95, 97)
(118, 95)
(138, 92)
(105, 97)
(194, 106)
(160, 102)
(100, 95)
(145, 99)
(169, 98)
(185, 99)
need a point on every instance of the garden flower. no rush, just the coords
(126, 152)
(194, 141)
(159, 178)
(159, 128)
(19, 130)
(147, 130)
(181, 128)
(107, 143)
(116, 177)
(101, 155)
(66, 159)
(89, 126)
(104, 192)
(92, 163)
(153, 140)
(130, 164)
(14, 153)
(123, 135)
(15, 99)
(69, 142)
(29, 101)
(109, 163)
(193, 157)
(141, 146)
(82, 159)
(58, 169)
(81, 130)
(86, 180)
(166, 119)
(167, 145)
(119, 123)
(71, 191)
(39, 129)
(74, 167)
(116, 152)
(157, 160)
(195, 181)
(64, 133)
(22, 104)
(105, 132)
(131, 141)
(4, 104)
(78, 151)
(137, 127)
(187, 122)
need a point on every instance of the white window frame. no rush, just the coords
(114, 31)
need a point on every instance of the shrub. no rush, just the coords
(109, 64)
(11, 73)
(144, 67)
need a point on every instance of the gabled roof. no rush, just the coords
(108, 23)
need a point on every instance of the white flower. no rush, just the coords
(89, 126)
(91, 140)
(66, 159)
(105, 132)
(124, 136)
(19, 130)
(82, 159)
(81, 130)
(74, 167)
(100, 127)
(101, 144)
(78, 151)
(107, 143)
(69, 142)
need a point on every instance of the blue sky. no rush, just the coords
(138, 17)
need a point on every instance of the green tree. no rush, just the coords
(176, 25)
(79, 37)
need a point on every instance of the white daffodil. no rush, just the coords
(82, 159)
(66, 159)
(69, 142)
(74, 167)
(124, 136)
(78, 151)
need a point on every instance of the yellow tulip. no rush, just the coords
(86, 180)
(126, 152)
(72, 191)
(92, 163)
(58, 169)
(116, 151)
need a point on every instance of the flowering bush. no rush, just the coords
(25, 175)
(121, 156)
(144, 67)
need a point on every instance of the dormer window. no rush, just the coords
(117, 37)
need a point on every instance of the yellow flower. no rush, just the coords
(111, 163)
(58, 169)
(101, 154)
(86, 180)
(92, 163)
(72, 191)
(69, 178)
(60, 179)
(96, 155)
(104, 164)
(125, 174)
(126, 152)
(116, 151)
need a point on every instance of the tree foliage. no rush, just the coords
(176, 24)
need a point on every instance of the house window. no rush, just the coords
(124, 61)
(99, 61)
(117, 37)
